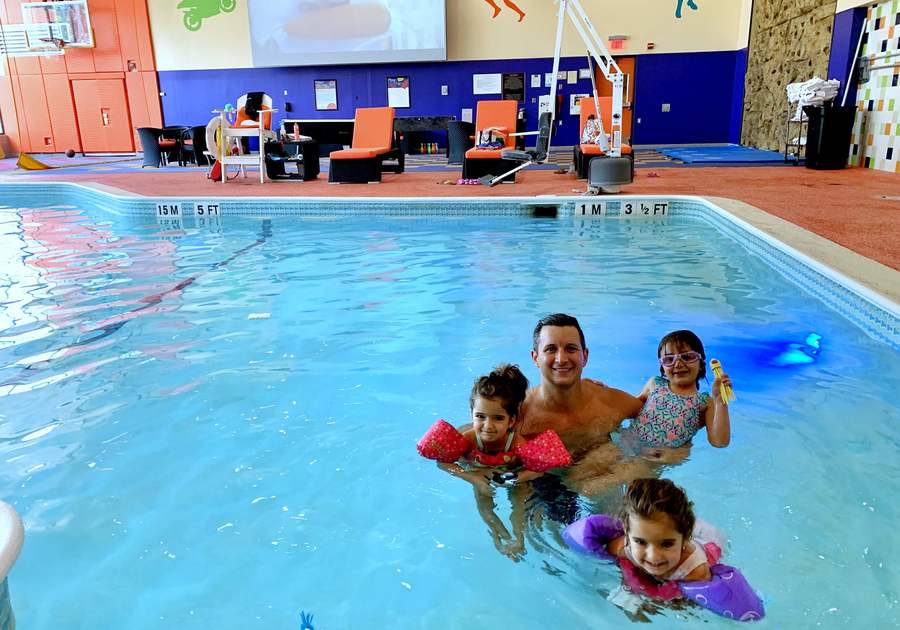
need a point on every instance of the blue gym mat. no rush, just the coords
(731, 154)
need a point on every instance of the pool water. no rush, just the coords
(215, 427)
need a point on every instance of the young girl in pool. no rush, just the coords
(665, 553)
(490, 452)
(674, 408)
(659, 534)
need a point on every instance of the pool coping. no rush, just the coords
(760, 232)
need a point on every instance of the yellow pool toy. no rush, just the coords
(725, 391)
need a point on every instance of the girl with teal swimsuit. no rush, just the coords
(674, 408)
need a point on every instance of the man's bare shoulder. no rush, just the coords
(611, 397)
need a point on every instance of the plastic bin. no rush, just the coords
(828, 135)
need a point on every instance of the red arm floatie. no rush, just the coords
(544, 452)
(443, 442)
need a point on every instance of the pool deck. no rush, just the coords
(848, 219)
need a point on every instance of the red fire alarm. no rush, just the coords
(650, 45)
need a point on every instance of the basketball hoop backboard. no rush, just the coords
(57, 25)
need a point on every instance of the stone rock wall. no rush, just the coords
(789, 41)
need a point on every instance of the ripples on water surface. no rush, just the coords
(215, 427)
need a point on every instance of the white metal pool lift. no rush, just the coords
(600, 53)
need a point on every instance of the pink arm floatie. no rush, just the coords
(544, 452)
(443, 442)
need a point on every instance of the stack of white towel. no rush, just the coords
(816, 91)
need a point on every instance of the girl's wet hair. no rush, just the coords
(683, 338)
(648, 497)
(506, 384)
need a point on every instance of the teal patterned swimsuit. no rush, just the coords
(667, 418)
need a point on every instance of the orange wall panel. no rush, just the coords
(144, 35)
(107, 54)
(8, 111)
(37, 115)
(27, 65)
(137, 103)
(24, 140)
(154, 107)
(44, 87)
(128, 36)
(53, 64)
(79, 60)
(62, 112)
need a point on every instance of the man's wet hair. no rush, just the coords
(557, 319)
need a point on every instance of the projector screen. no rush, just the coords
(329, 32)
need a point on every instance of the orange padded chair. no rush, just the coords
(481, 162)
(584, 152)
(373, 143)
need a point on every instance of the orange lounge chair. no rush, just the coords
(481, 162)
(373, 143)
(585, 152)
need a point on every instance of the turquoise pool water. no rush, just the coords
(215, 427)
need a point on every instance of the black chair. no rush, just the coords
(198, 141)
(460, 138)
(172, 142)
(153, 154)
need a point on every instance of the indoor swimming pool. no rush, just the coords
(213, 424)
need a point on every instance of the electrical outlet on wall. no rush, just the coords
(445, 90)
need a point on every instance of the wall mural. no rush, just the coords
(512, 5)
(195, 11)
(690, 4)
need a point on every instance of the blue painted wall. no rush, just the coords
(704, 90)
(700, 86)
(847, 27)
(737, 97)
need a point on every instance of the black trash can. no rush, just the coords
(828, 135)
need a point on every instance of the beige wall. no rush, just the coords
(843, 5)
(223, 41)
(717, 25)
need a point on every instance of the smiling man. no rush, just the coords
(581, 411)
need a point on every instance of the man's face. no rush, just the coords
(559, 355)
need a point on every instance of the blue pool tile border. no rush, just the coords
(875, 315)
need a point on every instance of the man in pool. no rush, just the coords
(583, 412)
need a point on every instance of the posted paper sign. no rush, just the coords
(487, 83)
(543, 103)
(535, 80)
(575, 103)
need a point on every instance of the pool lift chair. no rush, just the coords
(611, 170)
(526, 158)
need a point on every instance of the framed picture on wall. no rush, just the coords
(326, 94)
(398, 91)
